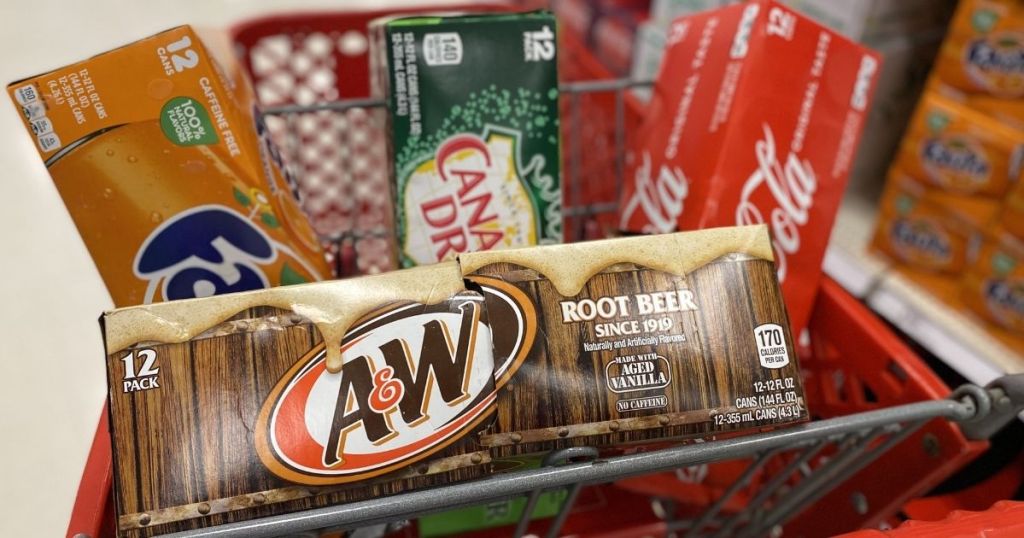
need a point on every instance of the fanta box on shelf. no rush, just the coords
(982, 60)
(928, 228)
(954, 148)
(755, 117)
(994, 285)
(168, 172)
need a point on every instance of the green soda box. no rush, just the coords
(473, 131)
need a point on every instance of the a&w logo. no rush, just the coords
(920, 241)
(415, 379)
(792, 185)
(539, 46)
(996, 63)
(1005, 299)
(956, 161)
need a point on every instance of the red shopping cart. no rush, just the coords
(877, 405)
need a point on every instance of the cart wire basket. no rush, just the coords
(875, 405)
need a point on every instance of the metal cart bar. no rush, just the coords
(862, 426)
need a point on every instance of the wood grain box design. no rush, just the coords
(643, 339)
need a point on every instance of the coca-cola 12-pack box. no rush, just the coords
(755, 118)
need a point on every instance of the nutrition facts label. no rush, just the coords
(34, 109)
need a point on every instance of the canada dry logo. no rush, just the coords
(415, 379)
(956, 161)
(996, 63)
(1005, 300)
(921, 240)
(471, 195)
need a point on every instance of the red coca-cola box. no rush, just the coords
(755, 118)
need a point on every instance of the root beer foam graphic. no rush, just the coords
(168, 173)
(475, 164)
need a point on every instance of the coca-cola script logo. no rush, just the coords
(792, 185)
(660, 198)
(415, 379)
(470, 196)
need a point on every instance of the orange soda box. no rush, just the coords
(993, 286)
(954, 148)
(168, 172)
(982, 59)
(927, 228)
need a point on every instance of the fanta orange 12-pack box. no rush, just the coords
(959, 150)
(168, 172)
(982, 59)
(755, 118)
(928, 228)
(993, 286)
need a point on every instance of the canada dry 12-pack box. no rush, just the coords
(755, 117)
(264, 402)
(473, 133)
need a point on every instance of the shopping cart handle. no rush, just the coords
(998, 403)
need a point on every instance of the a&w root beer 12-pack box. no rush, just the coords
(755, 118)
(473, 132)
(253, 404)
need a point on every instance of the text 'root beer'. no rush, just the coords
(755, 118)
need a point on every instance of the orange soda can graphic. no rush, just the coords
(169, 174)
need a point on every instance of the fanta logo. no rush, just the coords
(791, 186)
(203, 251)
(415, 379)
(996, 63)
(1005, 299)
(955, 159)
(468, 197)
(921, 239)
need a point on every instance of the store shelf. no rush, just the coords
(956, 339)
